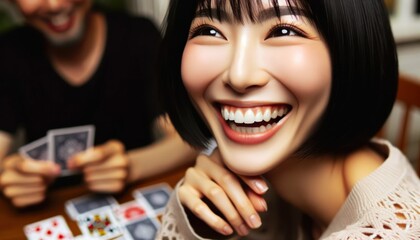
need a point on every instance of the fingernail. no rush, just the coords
(261, 186)
(255, 221)
(227, 230)
(264, 204)
(243, 230)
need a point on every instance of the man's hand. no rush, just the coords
(25, 181)
(105, 167)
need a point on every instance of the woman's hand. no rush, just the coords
(25, 181)
(105, 167)
(239, 204)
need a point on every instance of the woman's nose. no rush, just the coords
(246, 69)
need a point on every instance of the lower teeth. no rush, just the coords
(251, 130)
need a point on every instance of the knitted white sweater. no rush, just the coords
(383, 205)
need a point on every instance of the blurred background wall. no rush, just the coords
(405, 22)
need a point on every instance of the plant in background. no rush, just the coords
(6, 22)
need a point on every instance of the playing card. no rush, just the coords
(49, 229)
(142, 229)
(155, 195)
(84, 204)
(37, 150)
(99, 224)
(80, 237)
(132, 210)
(66, 142)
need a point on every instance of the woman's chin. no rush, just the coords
(242, 168)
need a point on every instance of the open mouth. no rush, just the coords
(61, 22)
(252, 124)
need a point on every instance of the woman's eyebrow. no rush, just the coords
(264, 15)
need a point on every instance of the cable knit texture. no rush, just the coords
(383, 205)
(169, 228)
(395, 217)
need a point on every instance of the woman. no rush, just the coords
(293, 90)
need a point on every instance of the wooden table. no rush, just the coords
(12, 220)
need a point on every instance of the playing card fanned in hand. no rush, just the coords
(59, 145)
(66, 142)
(54, 228)
(37, 150)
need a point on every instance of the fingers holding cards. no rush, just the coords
(24, 181)
(60, 145)
(105, 167)
(37, 150)
(67, 142)
(44, 168)
(27, 166)
(103, 157)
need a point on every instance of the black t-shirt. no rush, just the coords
(120, 98)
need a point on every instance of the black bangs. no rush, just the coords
(246, 10)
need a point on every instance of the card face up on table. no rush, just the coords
(53, 228)
(102, 217)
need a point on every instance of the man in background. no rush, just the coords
(71, 65)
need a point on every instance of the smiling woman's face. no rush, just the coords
(261, 86)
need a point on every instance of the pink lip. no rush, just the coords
(62, 28)
(249, 138)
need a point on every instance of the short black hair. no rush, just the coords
(364, 70)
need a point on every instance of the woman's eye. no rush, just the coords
(206, 31)
(282, 31)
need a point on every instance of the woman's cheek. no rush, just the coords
(306, 69)
(201, 65)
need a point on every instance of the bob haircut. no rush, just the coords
(364, 69)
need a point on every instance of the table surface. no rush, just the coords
(12, 220)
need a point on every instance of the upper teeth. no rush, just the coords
(60, 19)
(252, 115)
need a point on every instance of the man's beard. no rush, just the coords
(67, 41)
